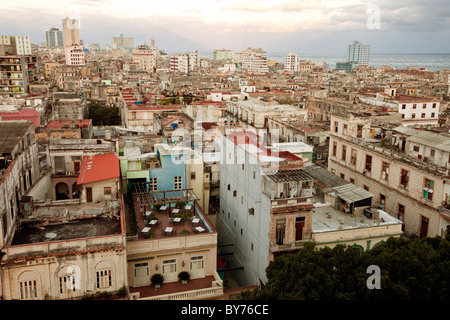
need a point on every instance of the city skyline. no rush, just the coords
(276, 26)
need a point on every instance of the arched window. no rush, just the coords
(29, 286)
(104, 275)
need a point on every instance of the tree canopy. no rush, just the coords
(103, 115)
(409, 270)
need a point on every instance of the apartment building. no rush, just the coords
(145, 58)
(17, 72)
(400, 166)
(224, 54)
(358, 53)
(254, 61)
(266, 205)
(75, 55)
(179, 63)
(291, 62)
(19, 170)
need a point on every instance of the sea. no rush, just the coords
(431, 61)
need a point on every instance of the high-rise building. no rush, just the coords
(358, 53)
(15, 45)
(145, 57)
(122, 42)
(254, 60)
(71, 32)
(224, 55)
(74, 50)
(54, 38)
(292, 62)
(179, 63)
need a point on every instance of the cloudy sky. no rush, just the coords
(315, 26)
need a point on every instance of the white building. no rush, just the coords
(254, 61)
(179, 63)
(358, 53)
(292, 62)
(17, 45)
(74, 55)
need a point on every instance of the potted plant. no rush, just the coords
(184, 276)
(157, 279)
(185, 232)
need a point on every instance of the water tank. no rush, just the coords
(107, 135)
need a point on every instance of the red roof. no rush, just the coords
(98, 168)
(30, 115)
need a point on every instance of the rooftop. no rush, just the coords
(98, 168)
(11, 133)
(326, 218)
(67, 222)
(58, 124)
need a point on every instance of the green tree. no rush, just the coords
(410, 269)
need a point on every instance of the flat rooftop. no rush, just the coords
(326, 218)
(67, 222)
(260, 107)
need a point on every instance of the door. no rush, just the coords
(141, 274)
(197, 267)
(89, 194)
(423, 227)
(169, 270)
(299, 224)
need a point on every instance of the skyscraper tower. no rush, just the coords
(358, 53)
(54, 38)
(71, 32)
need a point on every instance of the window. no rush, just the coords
(106, 190)
(192, 175)
(67, 284)
(336, 126)
(366, 188)
(353, 157)
(401, 214)
(104, 279)
(153, 184)
(196, 263)
(428, 189)
(344, 153)
(423, 115)
(414, 105)
(434, 105)
(28, 290)
(432, 152)
(413, 115)
(352, 180)
(404, 178)
(368, 166)
(382, 199)
(433, 114)
(403, 106)
(342, 176)
(345, 129)
(169, 266)
(177, 182)
(281, 227)
(384, 170)
(334, 152)
(416, 148)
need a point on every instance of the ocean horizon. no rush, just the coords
(431, 61)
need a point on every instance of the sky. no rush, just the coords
(315, 26)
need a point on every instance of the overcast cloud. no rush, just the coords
(327, 26)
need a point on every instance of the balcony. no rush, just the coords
(295, 245)
(210, 287)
